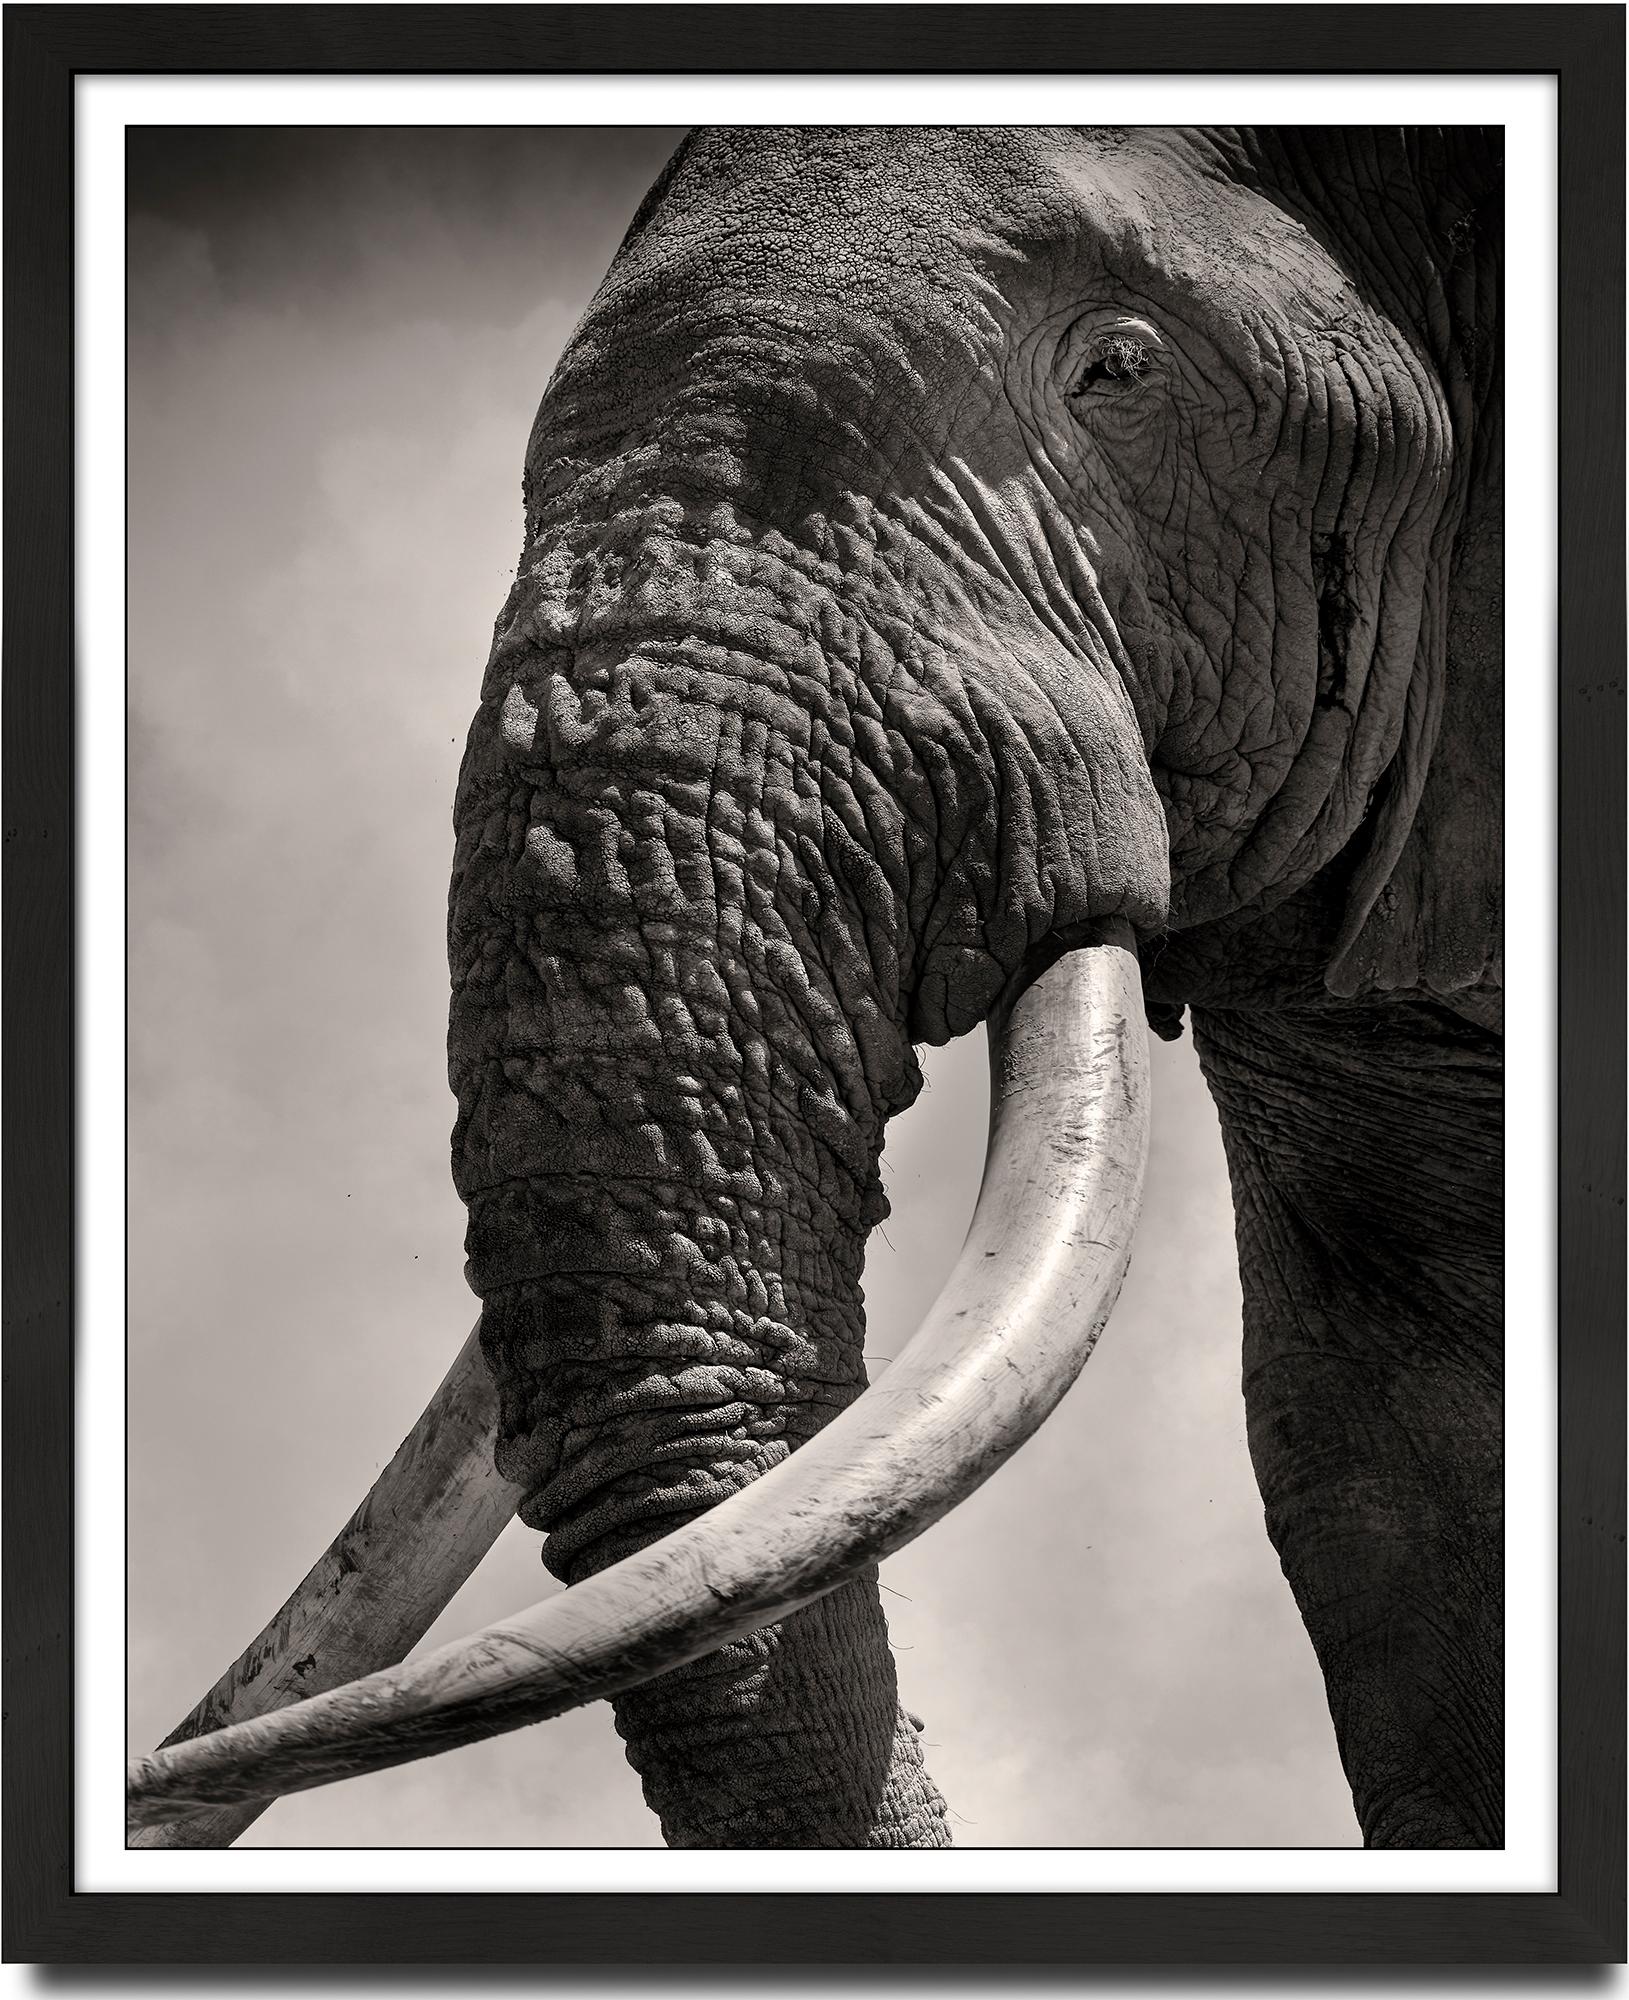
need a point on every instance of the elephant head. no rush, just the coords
(967, 573)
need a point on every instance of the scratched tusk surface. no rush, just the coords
(1040, 1270)
(430, 1517)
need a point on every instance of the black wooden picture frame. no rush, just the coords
(45, 1918)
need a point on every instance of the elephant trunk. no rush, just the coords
(676, 1039)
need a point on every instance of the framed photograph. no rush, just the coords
(705, 759)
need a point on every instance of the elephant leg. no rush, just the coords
(1364, 1148)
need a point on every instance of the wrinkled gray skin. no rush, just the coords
(936, 540)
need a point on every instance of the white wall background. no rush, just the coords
(337, 342)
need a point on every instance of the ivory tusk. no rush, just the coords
(1035, 1282)
(431, 1516)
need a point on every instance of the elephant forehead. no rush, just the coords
(978, 186)
(851, 180)
(919, 230)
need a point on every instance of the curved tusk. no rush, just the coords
(1036, 1279)
(386, 1577)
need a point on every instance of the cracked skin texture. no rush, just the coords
(935, 541)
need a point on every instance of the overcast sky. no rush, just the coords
(338, 340)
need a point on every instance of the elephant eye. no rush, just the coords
(1107, 361)
(1114, 365)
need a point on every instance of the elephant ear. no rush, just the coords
(1424, 909)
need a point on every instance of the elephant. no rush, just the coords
(1039, 578)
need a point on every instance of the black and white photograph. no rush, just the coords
(774, 1193)
(785, 782)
